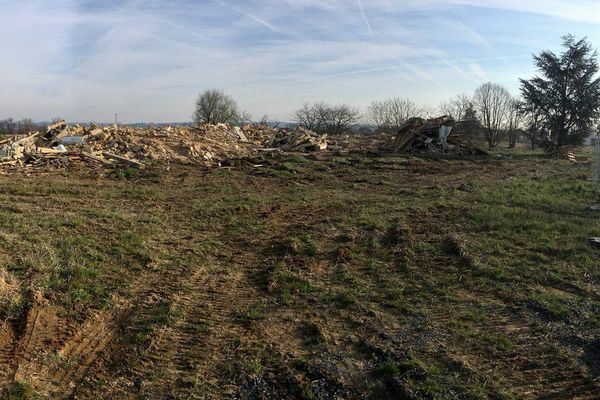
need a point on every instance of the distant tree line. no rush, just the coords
(491, 114)
(9, 126)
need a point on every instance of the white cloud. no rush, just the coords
(147, 60)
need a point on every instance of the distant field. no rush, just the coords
(316, 277)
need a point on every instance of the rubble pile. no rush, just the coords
(566, 153)
(435, 135)
(209, 144)
(300, 139)
(259, 134)
(62, 145)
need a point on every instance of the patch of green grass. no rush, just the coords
(236, 370)
(286, 283)
(291, 168)
(22, 390)
(136, 174)
(349, 289)
(418, 377)
(159, 315)
(302, 244)
(162, 314)
(396, 233)
(16, 307)
(253, 367)
(555, 307)
(475, 315)
(423, 379)
(297, 159)
(79, 279)
(247, 315)
(528, 230)
(499, 342)
(388, 369)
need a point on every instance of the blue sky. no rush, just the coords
(147, 60)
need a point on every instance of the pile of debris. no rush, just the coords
(210, 145)
(259, 133)
(435, 135)
(566, 153)
(301, 140)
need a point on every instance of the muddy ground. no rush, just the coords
(316, 277)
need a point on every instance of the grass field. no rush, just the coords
(316, 277)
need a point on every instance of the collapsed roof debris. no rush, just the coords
(436, 135)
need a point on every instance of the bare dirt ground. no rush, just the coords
(321, 277)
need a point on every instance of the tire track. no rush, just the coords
(8, 341)
(183, 352)
(44, 333)
(56, 356)
(550, 374)
(78, 355)
(535, 366)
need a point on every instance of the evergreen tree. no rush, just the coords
(471, 125)
(566, 93)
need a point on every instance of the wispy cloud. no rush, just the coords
(148, 60)
(249, 15)
(190, 31)
(365, 19)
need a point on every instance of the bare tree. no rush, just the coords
(492, 102)
(312, 116)
(8, 126)
(378, 115)
(214, 106)
(534, 127)
(264, 120)
(26, 125)
(513, 122)
(391, 113)
(457, 107)
(321, 117)
(245, 118)
(340, 118)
